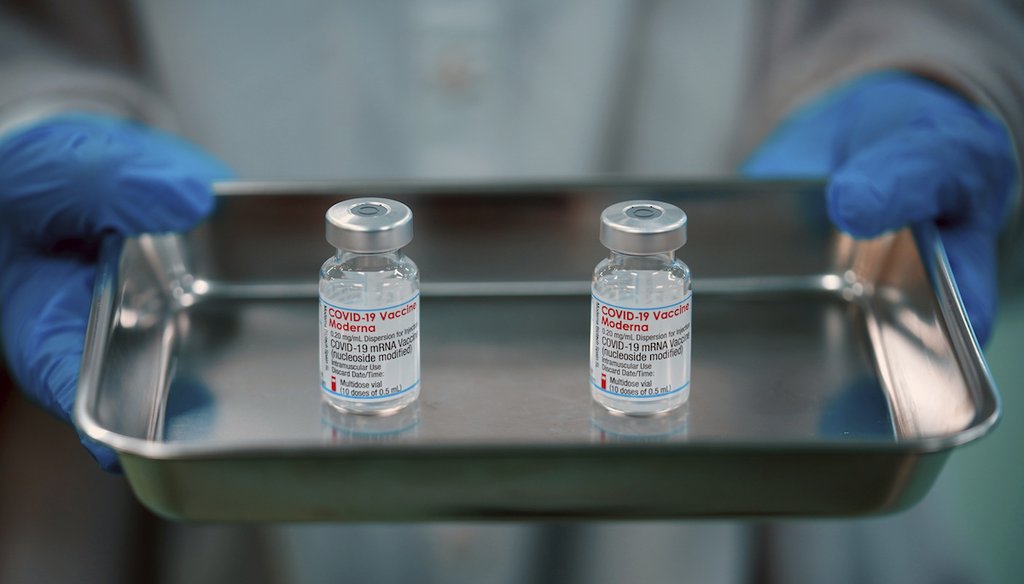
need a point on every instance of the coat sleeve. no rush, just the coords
(62, 59)
(805, 47)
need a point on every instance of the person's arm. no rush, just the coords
(79, 160)
(909, 109)
(804, 48)
(43, 74)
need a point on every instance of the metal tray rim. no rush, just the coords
(929, 244)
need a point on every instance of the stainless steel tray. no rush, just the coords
(830, 376)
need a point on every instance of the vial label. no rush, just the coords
(640, 352)
(369, 354)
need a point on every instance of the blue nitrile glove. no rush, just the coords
(899, 150)
(65, 182)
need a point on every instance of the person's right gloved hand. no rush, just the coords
(64, 183)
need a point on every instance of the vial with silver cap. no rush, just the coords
(369, 309)
(640, 333)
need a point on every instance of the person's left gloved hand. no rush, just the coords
(64, 183)
(899, 150)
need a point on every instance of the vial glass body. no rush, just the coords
(369, 331)
(640, 333)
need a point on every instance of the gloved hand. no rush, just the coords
(899, 150)
(64, 182)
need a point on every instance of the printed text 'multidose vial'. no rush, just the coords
(640, 333)
(369, 309)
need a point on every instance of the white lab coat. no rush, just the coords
(457, 89)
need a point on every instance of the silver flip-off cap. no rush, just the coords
(369, 225)
(643, 227)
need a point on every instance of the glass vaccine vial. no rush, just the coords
(640, 333)
(369, 309)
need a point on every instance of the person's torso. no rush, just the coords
(313, 89)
